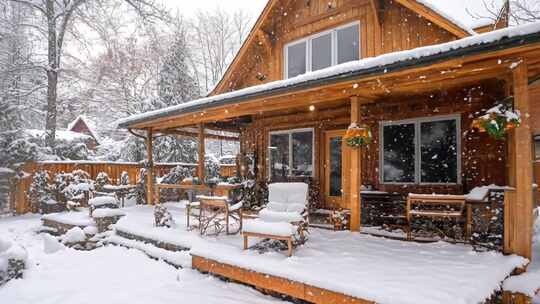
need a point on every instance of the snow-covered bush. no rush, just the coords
(16, 149)
(162, 217)
(41, 192)
(71, 151)
(212, 168)
(140, 190)
(255, 194)
(177, 174)
(79, 187)
(102, 179)
(12, 261)
(124, 178)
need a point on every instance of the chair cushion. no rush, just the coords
(298, 208)
(276, 216)
(295, 193)
(268, 228)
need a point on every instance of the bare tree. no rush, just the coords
(517, 11)
(215, 38)
(58, 17)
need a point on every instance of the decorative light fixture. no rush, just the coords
(312, 108)
(358, 136)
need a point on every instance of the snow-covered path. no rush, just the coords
(110, 274)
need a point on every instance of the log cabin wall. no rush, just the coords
(400, 29)
(482, 160)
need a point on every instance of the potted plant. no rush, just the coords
(498, 121)
(358, 136)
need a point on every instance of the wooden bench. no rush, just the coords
(434, 206)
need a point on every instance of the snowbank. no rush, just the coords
(102, 201)
(107, 212)
(74, 235)
(71, 218)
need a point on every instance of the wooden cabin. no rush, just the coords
(414, 75)
(82, 125)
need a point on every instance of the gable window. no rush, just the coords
(421, 151)
(291, 153)
(322, 50)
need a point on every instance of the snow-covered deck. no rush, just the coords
(357, 265)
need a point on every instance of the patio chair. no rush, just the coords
(216, 212)
(284, 218)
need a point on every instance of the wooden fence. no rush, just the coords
(19, 199)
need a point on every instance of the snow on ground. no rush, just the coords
(379, 269)
(359, 265)
(110, 274)
(529, 283)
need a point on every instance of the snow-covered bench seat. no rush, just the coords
(284, 215)
(269, 230)
(101, 202)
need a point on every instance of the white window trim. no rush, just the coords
(309, 40)
(290, 132)
(418, 154)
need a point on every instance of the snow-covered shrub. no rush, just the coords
(73, 236)
(41, 192)
(71, 150)
(212, 168)
(255, 194)
(177, 175)
(16, 149)
(12, 260)
(124, 178)
(79, 187)
(140, 190)
(162, 217)
(102, 179)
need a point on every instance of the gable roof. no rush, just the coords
(89, 125)
(445, 13)
(506, 38)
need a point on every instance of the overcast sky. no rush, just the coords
(189, 7)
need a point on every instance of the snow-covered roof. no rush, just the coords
(372, 65)
(467, 14)
(61, 135)
(89, 124)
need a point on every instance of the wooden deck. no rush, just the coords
(273, 284)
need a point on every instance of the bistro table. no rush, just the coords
(120, 191)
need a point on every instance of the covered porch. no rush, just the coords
(293, 130)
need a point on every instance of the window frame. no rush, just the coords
(309, 49)
(417, 148)
(290, 132)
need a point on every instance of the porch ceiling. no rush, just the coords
(411, 77)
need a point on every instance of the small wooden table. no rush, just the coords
(220, 190)
(120, 191)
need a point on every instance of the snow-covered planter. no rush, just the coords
(102, 202)
(498, 121)
(106, 217)
(340, 219)
(358, 136)
(162, 217)
(12, 261)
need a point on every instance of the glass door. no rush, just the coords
(335, 164)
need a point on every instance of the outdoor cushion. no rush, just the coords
(269, 228)
(288, 193)
(276, 216)
(298, 208)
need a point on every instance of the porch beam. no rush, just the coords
(196, 135)
(518, 236)
(200, 167)
(150, 169)
(355, 178)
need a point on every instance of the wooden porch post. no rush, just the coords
(355, 171)
(150, 172)
(519, 209)
(200, 164)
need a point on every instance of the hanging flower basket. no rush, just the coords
(498, 121)
(358, 136)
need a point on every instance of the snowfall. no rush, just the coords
(384, 270)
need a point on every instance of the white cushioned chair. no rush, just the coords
(285, 216)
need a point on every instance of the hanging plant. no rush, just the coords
(358, 136)
(498, 121)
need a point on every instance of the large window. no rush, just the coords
(421, 151)
(322, 50)
(291, 153)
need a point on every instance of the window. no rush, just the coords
(291, 153)
(322, 50)
(421, 151)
